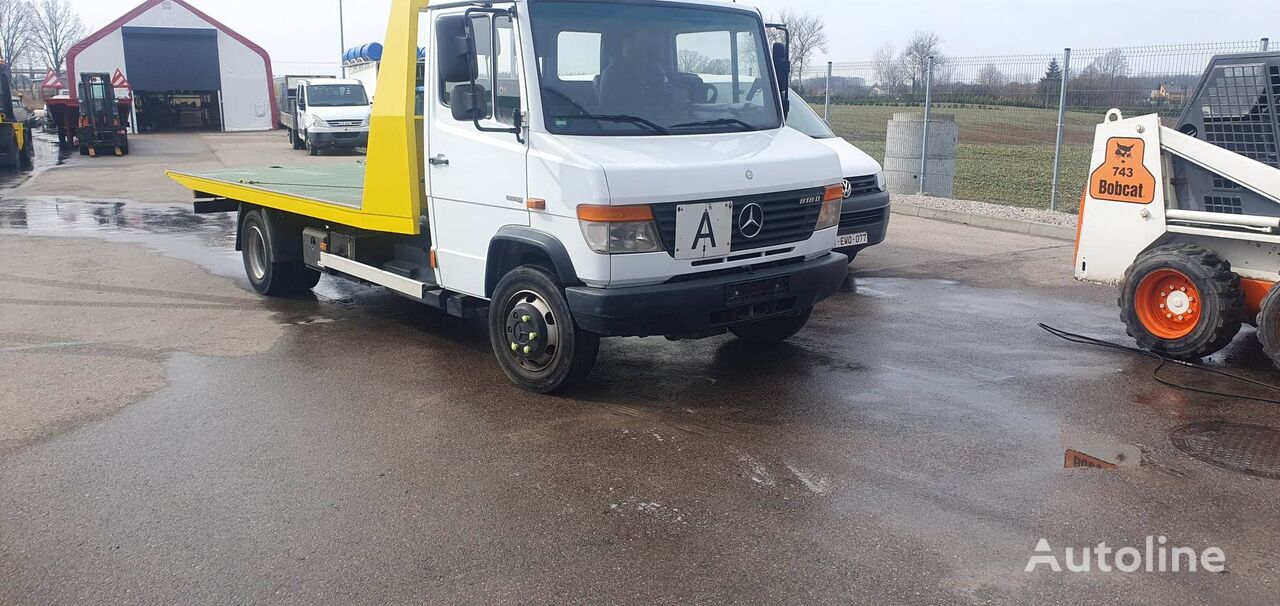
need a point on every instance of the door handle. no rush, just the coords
(439, 160)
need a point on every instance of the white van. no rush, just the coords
(864, 221)
(324, 113)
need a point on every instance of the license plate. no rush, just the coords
(852, 240)
(704, 230)
(756, 291)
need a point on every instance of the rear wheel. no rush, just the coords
(267, 275)
(1181, 300)
(533, 334)
(294, 140)
(772, 332)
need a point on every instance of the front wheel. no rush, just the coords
(772, 332)
(533, 334)
(312, 147)
(1181, 300)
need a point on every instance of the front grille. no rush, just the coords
(859, 186)
(345, 123)
(865, 218)
(786, 220)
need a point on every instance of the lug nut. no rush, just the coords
(525, 319)
(1168, 315)
(514, 347)
(1183, 289)
(527, 350)
(1162, 306)
(533, 336)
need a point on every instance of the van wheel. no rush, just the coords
(1181, 300)
(772, 332)
(266, 275)
(294, 140)
(533, 334)
(312, 148)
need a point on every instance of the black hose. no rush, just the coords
(1164, 361)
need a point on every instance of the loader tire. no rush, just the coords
(1181, 300)
(1269, 325)
(27, 159)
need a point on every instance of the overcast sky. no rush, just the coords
(298, 32)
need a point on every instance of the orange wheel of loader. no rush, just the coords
(1167, 302)
(1182, 300)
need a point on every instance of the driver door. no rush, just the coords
(477, 180)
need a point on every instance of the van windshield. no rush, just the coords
(336, 95)
(805, 120)
(610, 69)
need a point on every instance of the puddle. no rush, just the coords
(48, 155)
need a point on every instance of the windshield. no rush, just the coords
(805, 120)
(618, 68)
(336, 95)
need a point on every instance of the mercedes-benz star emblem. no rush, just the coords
(751, 220)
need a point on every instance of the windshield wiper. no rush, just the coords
(716, 122)
(622, 118)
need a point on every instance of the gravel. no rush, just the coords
(1033, 215)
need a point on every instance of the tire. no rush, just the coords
(312, 148)
(27, 157)
(1195, 319)
(294, 140)
(533, 334)
(84, 150)
(12, 157)
(1269, 325)
(772, 332)
(266, 275)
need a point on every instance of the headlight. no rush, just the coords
(832, 201)
(619, 230)
(318, 121)
(880, 183)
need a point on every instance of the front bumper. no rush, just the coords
(868, 213)
(343, 139)
(708, 304)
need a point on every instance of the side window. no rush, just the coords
(578, 56)
(506, 71)
(748, 70)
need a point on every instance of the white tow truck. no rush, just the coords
(569, 178)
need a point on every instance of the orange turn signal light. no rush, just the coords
(536, 204)
(614, 214)
(833, 193)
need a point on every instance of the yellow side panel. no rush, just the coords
(393, 179)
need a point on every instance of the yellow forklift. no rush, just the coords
(16, 148)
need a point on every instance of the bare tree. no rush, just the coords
(915, 57)
(1111, 65)
(991, 78)
(16, 18)
(57, 27)
(808, 36)
(888, 68)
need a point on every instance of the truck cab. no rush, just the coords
(328, 113)
(579, 170)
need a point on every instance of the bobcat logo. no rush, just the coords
(1124, 151)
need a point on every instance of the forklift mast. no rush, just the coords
(97, 100)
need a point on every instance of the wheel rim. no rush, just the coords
(532, 331)
(257, 249)
(1168, 304)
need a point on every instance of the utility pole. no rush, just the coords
(342, 39)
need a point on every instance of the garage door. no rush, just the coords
(172, 59)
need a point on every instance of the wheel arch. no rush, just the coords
(516, 245)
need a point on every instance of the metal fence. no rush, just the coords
(1018, 131)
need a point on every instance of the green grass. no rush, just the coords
(1004, 154)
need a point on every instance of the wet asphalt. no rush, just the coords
(907, 447)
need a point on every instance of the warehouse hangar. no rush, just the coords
(185, 70)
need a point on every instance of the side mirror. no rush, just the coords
(469, 102)
(456, 50)
(782, 67)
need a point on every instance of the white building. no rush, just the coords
(185, 69)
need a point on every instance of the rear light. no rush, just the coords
(619, 230)
(832, 201)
